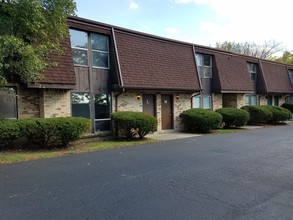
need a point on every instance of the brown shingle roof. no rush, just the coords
(150, 63)
(63, 73)
(230, 72)
(276, 77)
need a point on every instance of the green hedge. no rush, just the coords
(200, 120)
(288, 106)
(132, 125)
(42, 133)
(233, 117)
(258, 114)
(279, 114)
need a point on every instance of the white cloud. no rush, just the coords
(248, 20)
(133, 6)
(173, 30)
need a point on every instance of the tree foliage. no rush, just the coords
(287, 57)
(30, 30)
(263, 51)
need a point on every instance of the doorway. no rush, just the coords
(167, 111)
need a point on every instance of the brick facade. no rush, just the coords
(28, 103)
(55, 103)
(217, 100)
(182, 103)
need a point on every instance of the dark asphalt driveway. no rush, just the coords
(246, 175)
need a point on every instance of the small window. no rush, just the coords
(8, 107)
(100, 59)
(269, 100)
(276, 100)
(80, 104)
(197, 102)
(207, 102)
(289, 99)
(202, 101)
(204, 65)
(250, 100)
(252, 70)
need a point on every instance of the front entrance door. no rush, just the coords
(167, 112)
(149, 104)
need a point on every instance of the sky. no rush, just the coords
(203, 22)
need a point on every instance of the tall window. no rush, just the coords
(204, 101)
(250, 100)
(276, 100)
(204, 65)
(79, 44)
(102, 112)
(291, 76)
(252, 70)
(99, 49)
(270, 100)
(8, 107)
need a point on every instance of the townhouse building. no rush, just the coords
(106, 69)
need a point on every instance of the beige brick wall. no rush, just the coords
(182, 103)
(28, 103)
(233, 100)
(127, 102)
(282, 100)
(263, 100)
(55, 103)
(217, 101)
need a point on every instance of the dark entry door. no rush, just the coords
(149, 104)
(167, 112)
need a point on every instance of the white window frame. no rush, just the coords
(202, 99)
(252, 69)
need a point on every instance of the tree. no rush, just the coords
(30, 30)
(287, 57)
(263, 51)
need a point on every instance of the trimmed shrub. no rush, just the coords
(288, 106)
(279, 114)
(233, 117)
(131, 125)
(200, 120)
(258, 114)
(43, 132)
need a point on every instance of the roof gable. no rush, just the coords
(276, 77)
(150, 63)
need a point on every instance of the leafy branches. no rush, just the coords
(30, 30)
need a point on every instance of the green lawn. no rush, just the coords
(75, 148)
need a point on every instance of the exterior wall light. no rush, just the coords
(177, 97)
(138, 96)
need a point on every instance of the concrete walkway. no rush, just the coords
(175, 134)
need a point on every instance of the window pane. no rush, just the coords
(102, 125)
(197, 102)
(276, 100)
(269, 100)
(291, 76)
(253, 100)
(99, 42)
(207, 60)
(102, 106)
(198, 58)
(80, 57)
(8, 107)
(100, 59)
(80, 104)
(78, 38)
(289, 99)
(207, 102)
(207, 72)
(253, 76)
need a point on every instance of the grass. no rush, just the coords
(77, 147)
